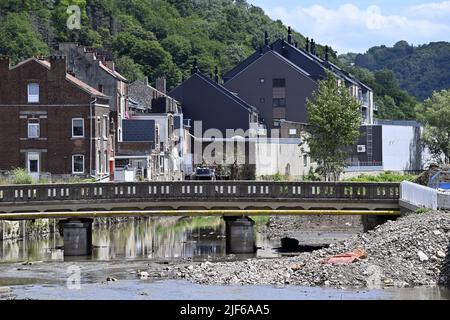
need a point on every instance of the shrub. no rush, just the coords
(387, 176)
(21, 176)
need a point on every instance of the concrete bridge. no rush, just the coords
(77, 204)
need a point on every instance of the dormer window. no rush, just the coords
(33, 93)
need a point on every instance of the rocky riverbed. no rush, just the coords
(412, 251)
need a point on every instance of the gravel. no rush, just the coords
(409, 252)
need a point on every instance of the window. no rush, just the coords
(279, 102)
(305, 160)
(279, 83)
(77, 128)
(100, 88)
(292, 132)
(33, 93)
(105, 127)
(77, 164)
(33, 129)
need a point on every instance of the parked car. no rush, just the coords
(204, 174)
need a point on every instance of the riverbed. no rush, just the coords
(138, 259)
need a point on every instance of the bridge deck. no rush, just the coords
(186, 213)
(200, 195)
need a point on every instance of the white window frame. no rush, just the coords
(34, 124)
(73, 163)
(33, 98)
(76, 119)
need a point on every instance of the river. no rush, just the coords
(37, 269)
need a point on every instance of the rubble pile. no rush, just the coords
(412, 251)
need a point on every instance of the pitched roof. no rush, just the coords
(85, 87)
(44, 63)
(225, 92)
(304, 60)
(114, 73)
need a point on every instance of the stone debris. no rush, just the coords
(403, 253)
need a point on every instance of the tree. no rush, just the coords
(129, 69)
(18, 39)
(435, 114)
(335, 118)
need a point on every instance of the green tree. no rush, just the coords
(18, 40)
(129, 69)
(435, 114)
(334, 117)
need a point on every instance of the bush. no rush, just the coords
(387, 176)
(21, 176)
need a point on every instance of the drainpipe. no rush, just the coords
(90, 140)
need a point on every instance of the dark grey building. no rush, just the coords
(203, 99)
(277, 87)
(368, 152)
(279, 78)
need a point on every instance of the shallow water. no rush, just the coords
(183, 290)
(121, 249)
(162, 238)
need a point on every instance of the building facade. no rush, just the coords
(99, 72)
(51, 122)
(280, 77)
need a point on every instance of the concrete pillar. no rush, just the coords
(77, 237)
(239, 235)
(370, 222)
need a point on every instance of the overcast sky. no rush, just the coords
(355, 26)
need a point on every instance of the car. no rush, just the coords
(204, 174)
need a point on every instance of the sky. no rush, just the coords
(355, 26)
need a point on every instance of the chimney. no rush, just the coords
(161, 84)
(327, 54)
(194, 69)
(4, 65)
(58, 66)
(307, 45)
(289, 35)
(266, 38)
(146, 81)
(313, 47)
(216, 74)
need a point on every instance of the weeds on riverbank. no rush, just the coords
(387, 176)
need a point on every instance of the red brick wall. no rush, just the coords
(60, 101)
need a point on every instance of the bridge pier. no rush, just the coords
(239, 235)
(370, 222)
(77, 235)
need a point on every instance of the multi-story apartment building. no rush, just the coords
(52, 122)
(280, 77)
(100, 73)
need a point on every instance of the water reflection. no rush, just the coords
(150, 238)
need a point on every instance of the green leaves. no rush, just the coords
(334, 117)
(435, 114)
(18, 38)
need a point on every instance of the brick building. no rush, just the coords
(51, 122)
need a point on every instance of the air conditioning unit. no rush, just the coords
(361, 149)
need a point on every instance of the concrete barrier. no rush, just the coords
(418, 196)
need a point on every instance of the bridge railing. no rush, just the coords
(199, 190)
